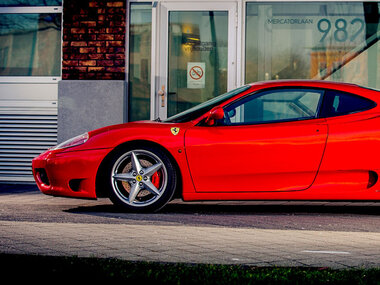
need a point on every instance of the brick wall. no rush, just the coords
(94, 34)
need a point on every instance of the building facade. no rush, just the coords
(70, 66)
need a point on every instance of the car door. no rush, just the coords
(268, 141)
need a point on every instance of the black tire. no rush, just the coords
(145, 187)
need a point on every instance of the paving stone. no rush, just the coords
(32, 223)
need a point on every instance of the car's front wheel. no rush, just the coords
(141, 179)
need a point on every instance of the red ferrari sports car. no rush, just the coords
(280, 140)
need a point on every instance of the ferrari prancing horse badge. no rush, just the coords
(174, 131)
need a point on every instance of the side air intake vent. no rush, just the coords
(373, 177)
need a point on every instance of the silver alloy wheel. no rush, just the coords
(132, 176)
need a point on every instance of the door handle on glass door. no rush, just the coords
(162, 94)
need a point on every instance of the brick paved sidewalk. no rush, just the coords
(193, 244)
(132, 239)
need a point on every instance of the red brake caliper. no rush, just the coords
(156, 179)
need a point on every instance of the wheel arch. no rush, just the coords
(101, 191)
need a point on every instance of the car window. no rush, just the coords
(274, 106)
(202, 108)
(338, 103)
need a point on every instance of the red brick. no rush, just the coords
(95, 56)
(87, 62)
(88, 23)
(77, 30)
(115, 30)
(115, 69)
(78, 44)
(115, 4)
(105, 62)
(116, 23)
(101, 50)
(115, 56)
(96, 31)
(106, 37)
(119, 37)
(80, 69)
(116, 10)
(96, 43)
(78, 56)
(115, 43)
(106, 76)
(87, 50)
(96, 69)
(93, 4)
(69, 62)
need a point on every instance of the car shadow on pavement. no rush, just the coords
(251, 209)
(363, 218)
(267, 208)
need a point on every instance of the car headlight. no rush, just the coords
(78, 140)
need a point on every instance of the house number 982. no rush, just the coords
(339, 30)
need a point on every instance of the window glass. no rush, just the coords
(140, 30)
(273, 106)
(339, 103)
(20, 3)
(198, 110)
(30, 44)
(198, 54)
(313, 40)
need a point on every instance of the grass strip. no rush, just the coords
(75, 269)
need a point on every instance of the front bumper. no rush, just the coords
(68, 173)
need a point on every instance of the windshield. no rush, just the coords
(200, 109)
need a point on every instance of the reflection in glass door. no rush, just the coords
(198, 55)
(140, 32)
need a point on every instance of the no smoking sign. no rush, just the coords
(196, 75)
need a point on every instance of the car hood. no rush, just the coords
(137, 124)
(162, 133)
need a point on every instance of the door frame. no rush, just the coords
(159, 52)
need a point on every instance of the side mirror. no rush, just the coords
(215, 114)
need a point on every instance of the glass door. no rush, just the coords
(196, 58)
